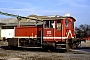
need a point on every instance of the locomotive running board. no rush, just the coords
(60, 44)
(60, 48)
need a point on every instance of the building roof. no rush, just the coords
(22, 24)
(35, 17)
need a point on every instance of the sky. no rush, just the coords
(79, 9)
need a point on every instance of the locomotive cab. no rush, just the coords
(52, 30)
(58, 32)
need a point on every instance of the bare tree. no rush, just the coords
(82, 30)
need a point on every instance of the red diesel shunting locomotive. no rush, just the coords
(53, 32)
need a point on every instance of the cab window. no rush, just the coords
(48, 24)
(58, 25)
(66, 23)
(72, 23)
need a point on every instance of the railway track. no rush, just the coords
(37, 54)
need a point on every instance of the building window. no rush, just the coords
(8, 27)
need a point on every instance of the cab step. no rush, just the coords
(60, 44)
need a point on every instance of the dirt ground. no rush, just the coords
(74, 54)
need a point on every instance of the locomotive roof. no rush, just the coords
(57, 18)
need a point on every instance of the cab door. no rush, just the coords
(48, 30)
(58, 31)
